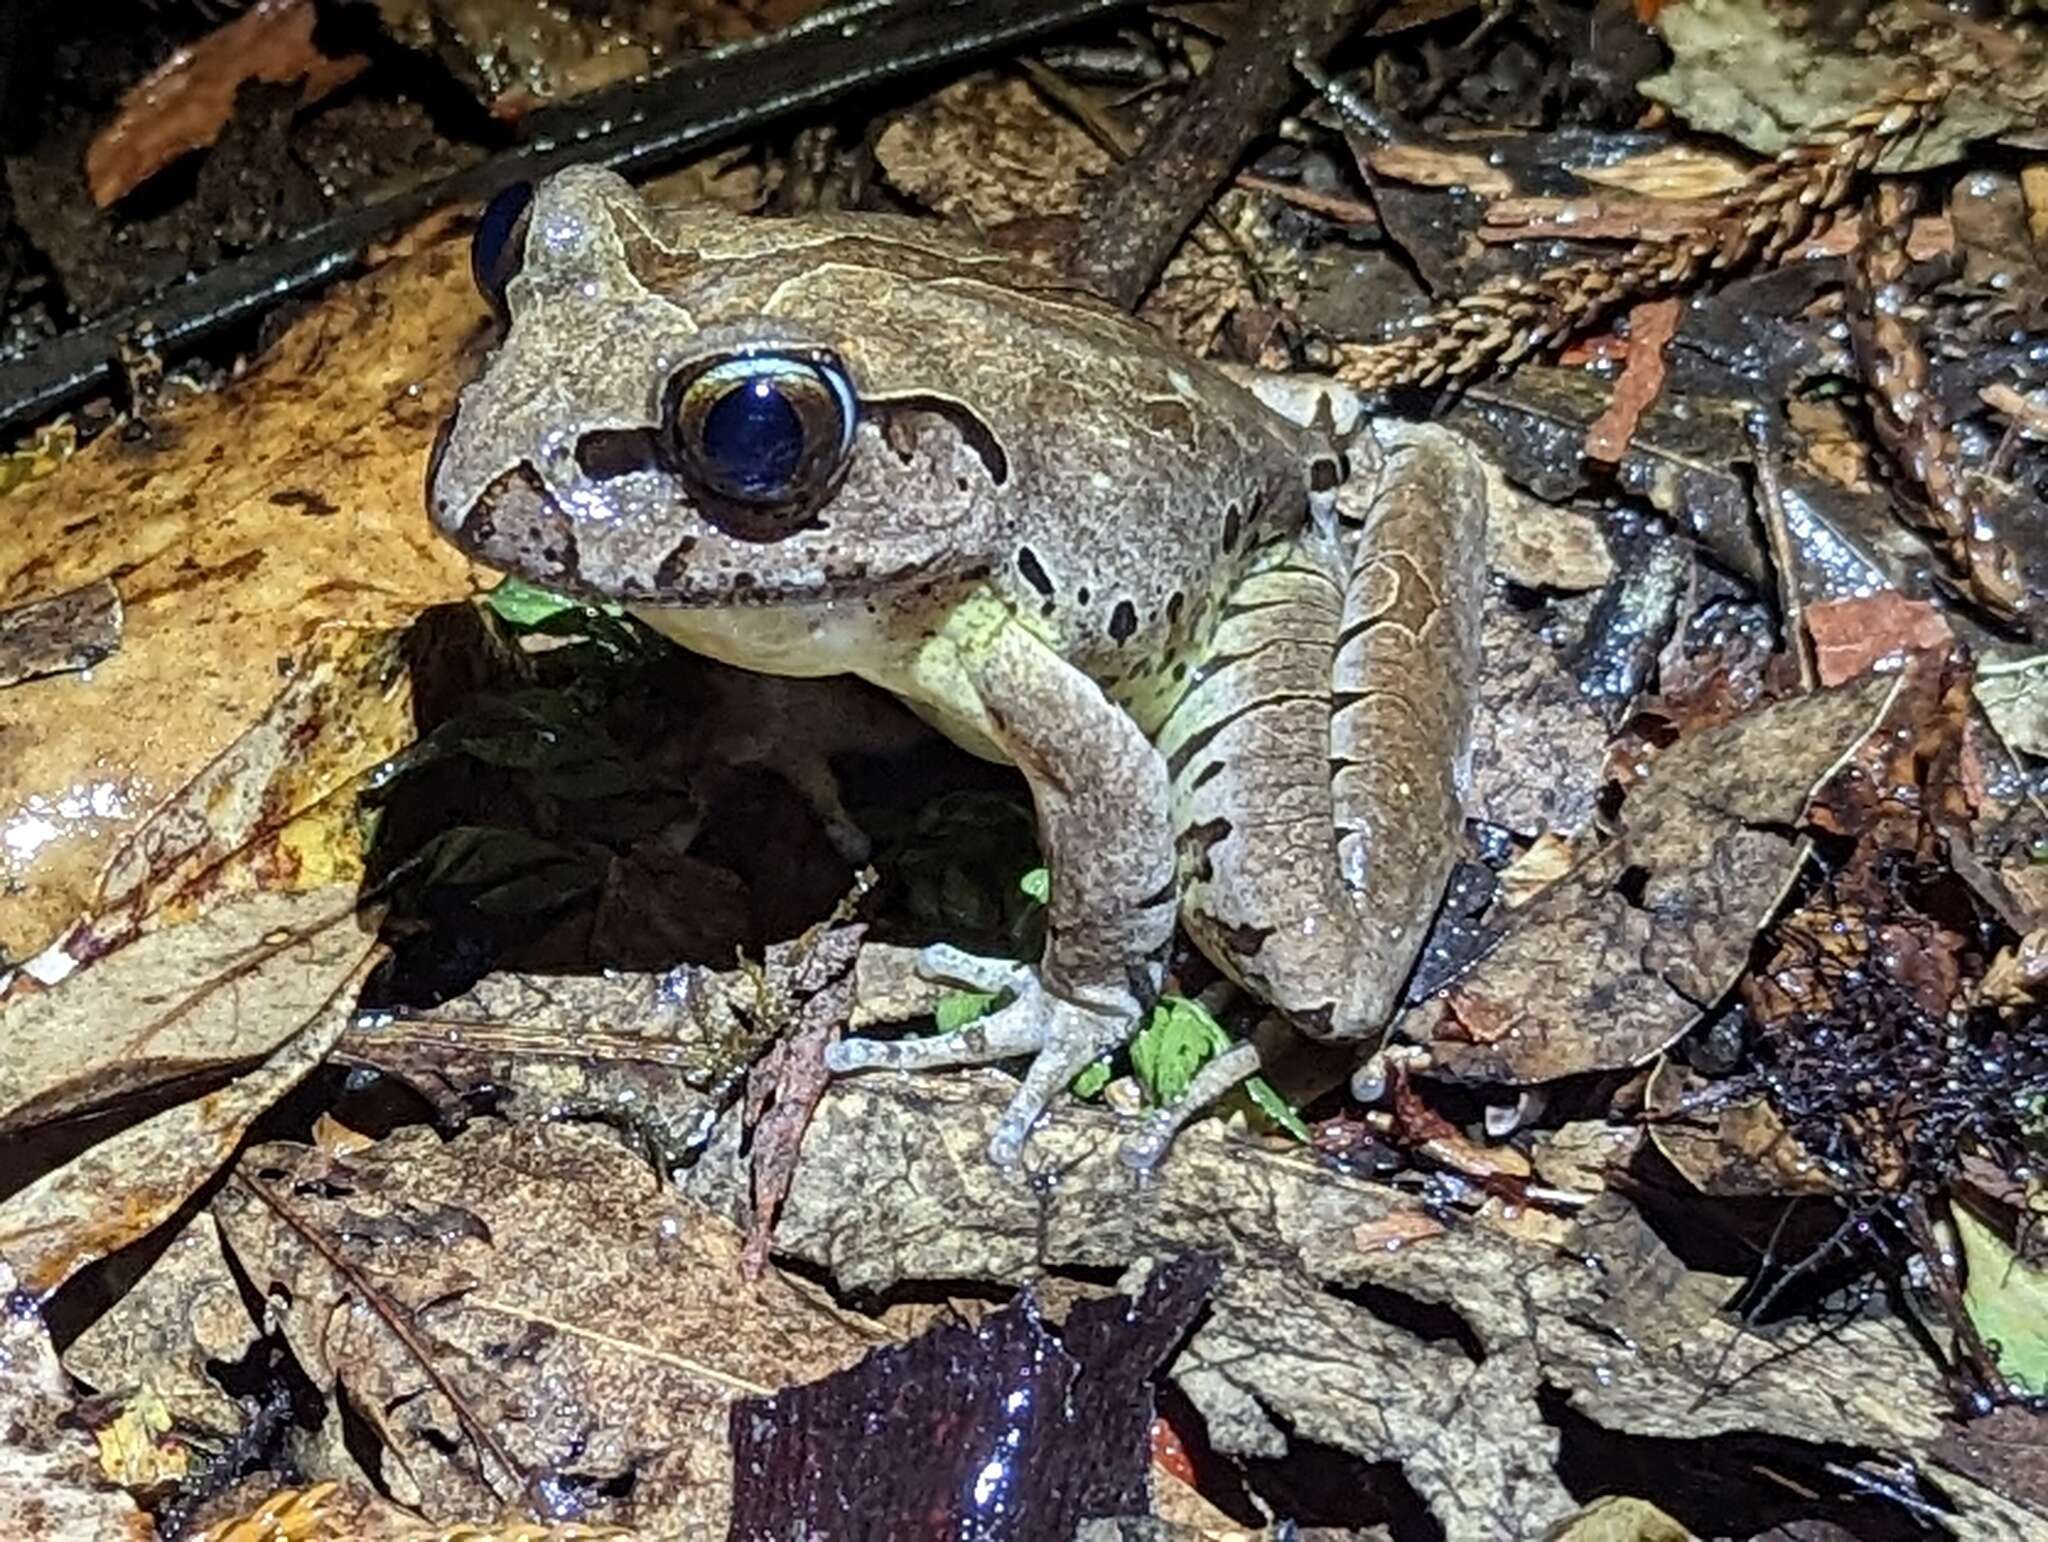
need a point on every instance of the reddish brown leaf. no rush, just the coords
(1650, 326)
(183, 103)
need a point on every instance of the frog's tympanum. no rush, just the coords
(1240, 690)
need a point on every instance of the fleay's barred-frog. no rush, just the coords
(1239, 688)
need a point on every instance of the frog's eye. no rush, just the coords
(499, 245)
(767, 431)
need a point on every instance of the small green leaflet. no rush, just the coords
(2007, 1298)
(1182, 1038)
(1093, 1078)
(1037, 884)
(956, 1009)
(518, 603)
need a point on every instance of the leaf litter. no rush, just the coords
(1710, 1137)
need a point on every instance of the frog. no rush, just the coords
(1224, 623)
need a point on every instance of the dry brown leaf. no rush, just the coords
(184, 103)
(1619, 1518)
(1677, 171)
(1539, 742)
(185, 1312)
(1615, 961)
(1434, 166)
(293, 983)
(589, 1320)
(227, 988)
(51, 1486)
(1724, 1146)
(987, 150)
(244, 523)
(895, 1185)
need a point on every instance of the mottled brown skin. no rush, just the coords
(1234, 692)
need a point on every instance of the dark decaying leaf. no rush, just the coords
(2008, 1450)
(68, 631)
(1005, 1429)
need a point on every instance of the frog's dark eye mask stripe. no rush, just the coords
(762, 439)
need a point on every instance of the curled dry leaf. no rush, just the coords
(245, 522)
(527, 1298)
(1613, 962)
(277, 970)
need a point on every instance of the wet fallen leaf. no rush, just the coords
(184, 103)
(246, 522)
(1863, 632)
(999, 1429)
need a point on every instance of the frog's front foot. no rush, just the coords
(1062, 1036)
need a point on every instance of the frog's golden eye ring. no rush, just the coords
(765, 431)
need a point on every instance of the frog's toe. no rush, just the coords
(1072, 1038)
(1002, 1035)
(956, 966)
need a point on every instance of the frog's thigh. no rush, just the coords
(1313, 762)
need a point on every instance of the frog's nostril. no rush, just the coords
(499, 245)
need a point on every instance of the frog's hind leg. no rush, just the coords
(1317, 754)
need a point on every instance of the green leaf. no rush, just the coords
(1180, 1039)
(1038, 884)
(1093, 1078)
(957, 1009)
(1277, 1108)
(518, 603)
(2008, 1301)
